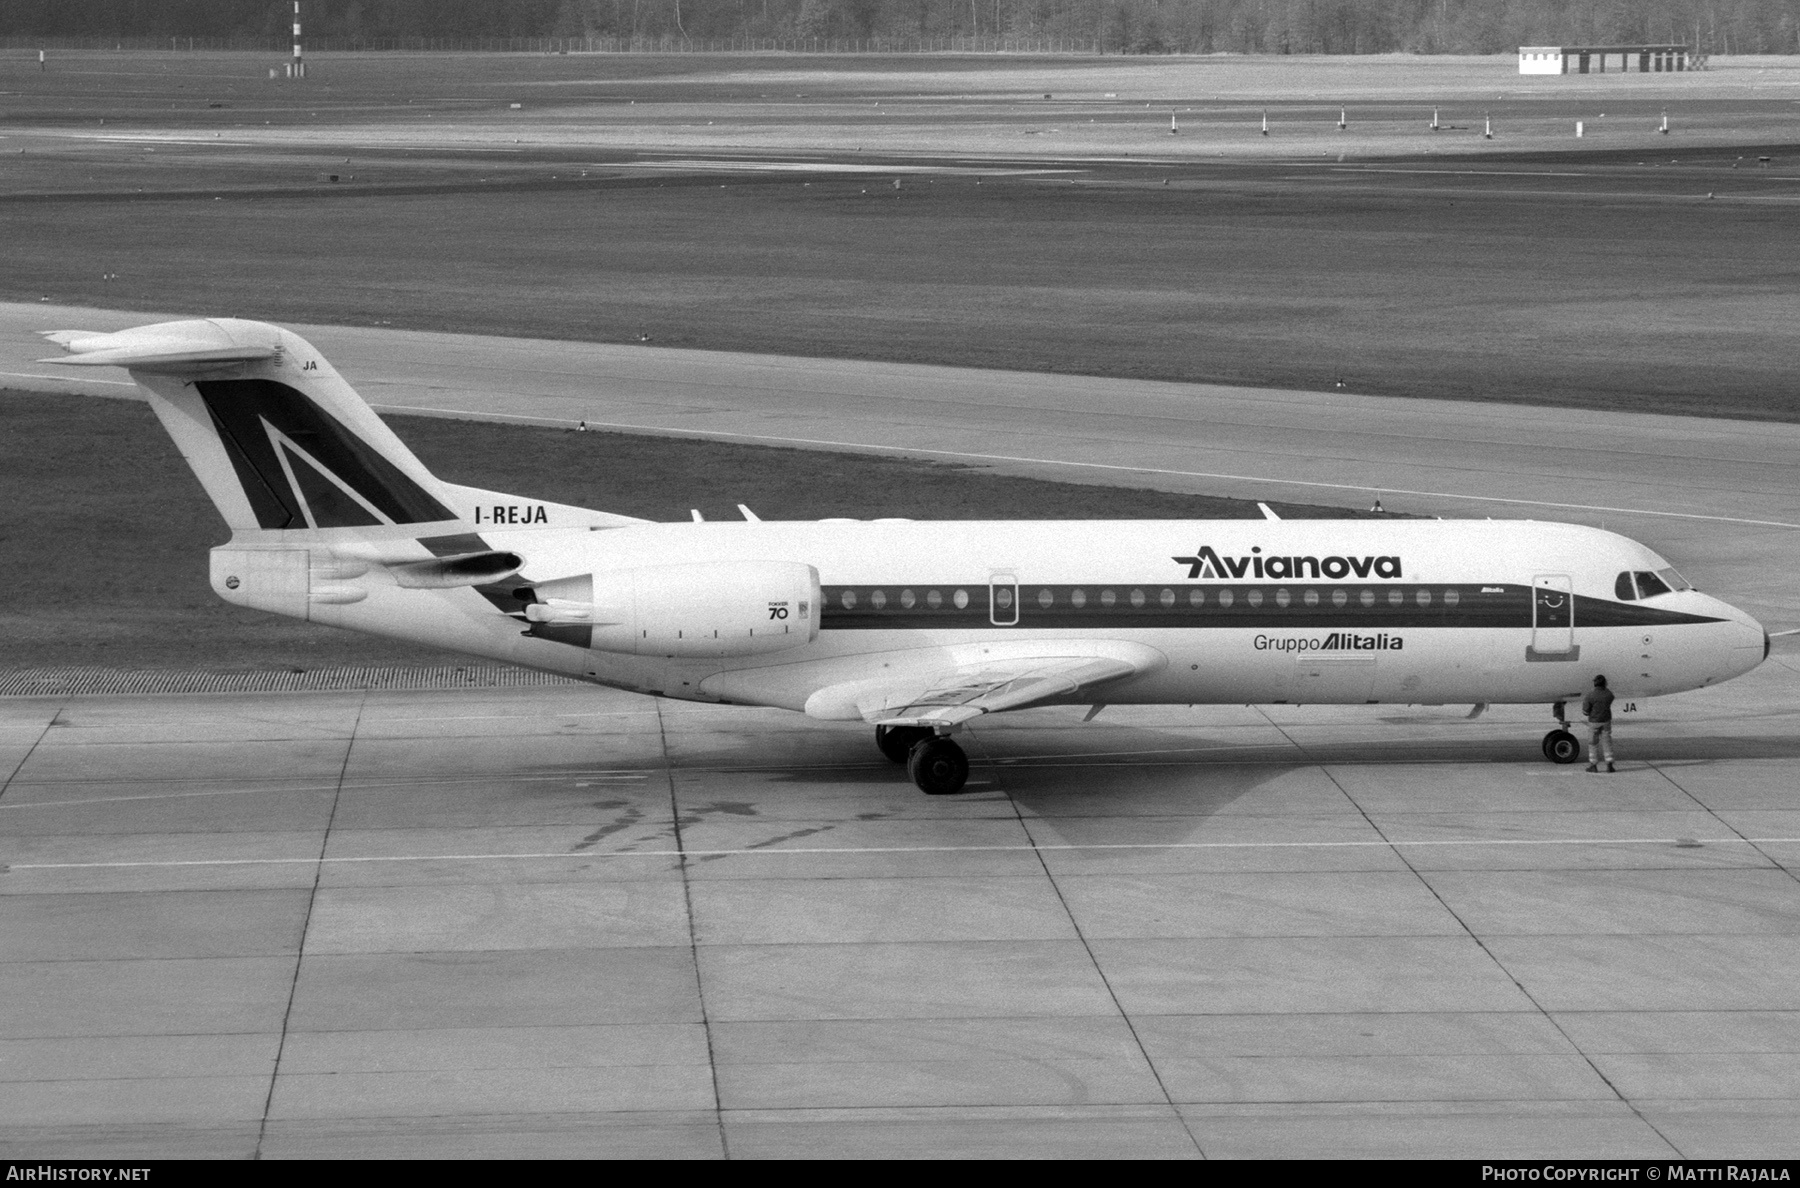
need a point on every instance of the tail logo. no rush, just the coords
(300, 467)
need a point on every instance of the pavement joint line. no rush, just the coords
(1487, 950)
(605, 777)
(312, 899)
(1028, 762)
(1112, 991)
(693, 931)
(1683, 843)
(633, 780)
(1495, 958)
(1714, 814)
(1363, 488)
(13, 774)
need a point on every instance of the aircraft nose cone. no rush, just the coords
(1752, 641)
(1749, 640)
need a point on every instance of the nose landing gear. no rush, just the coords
(1560, 746)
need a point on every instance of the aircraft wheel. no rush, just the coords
(897, 742)
(938, 766)
(1561, 747)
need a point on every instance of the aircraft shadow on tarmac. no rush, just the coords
(1130, 761)
(1121, 770)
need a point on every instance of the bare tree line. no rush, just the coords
(1132, 26)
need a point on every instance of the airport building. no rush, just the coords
(1592, 59)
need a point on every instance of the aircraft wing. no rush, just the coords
(959, 690)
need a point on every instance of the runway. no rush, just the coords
(1720, 498)
(568, 922)
(558, 921)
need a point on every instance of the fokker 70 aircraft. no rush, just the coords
(916, 628)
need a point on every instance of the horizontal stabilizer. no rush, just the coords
(170, 345)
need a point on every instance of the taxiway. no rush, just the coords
(564, 921)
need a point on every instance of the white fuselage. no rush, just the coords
(1240, 611)
(908, 625)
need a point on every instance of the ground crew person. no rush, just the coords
(1596, 707)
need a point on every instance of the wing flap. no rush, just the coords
(957, 692)
(994, 693)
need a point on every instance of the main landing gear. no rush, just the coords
(897, 742)
(1560, 746)
(937, 765)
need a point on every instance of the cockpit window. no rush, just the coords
(1675, 580)
(1623, 589)
(1649, 585)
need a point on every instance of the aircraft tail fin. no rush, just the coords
(278, 439)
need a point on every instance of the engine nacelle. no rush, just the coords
(732, 608)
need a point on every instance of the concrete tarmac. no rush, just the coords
(572, 922)
(1720, 498)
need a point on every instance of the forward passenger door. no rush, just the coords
(1553, 617)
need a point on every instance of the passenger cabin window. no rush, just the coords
(1623, 590)
(1649, 585)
